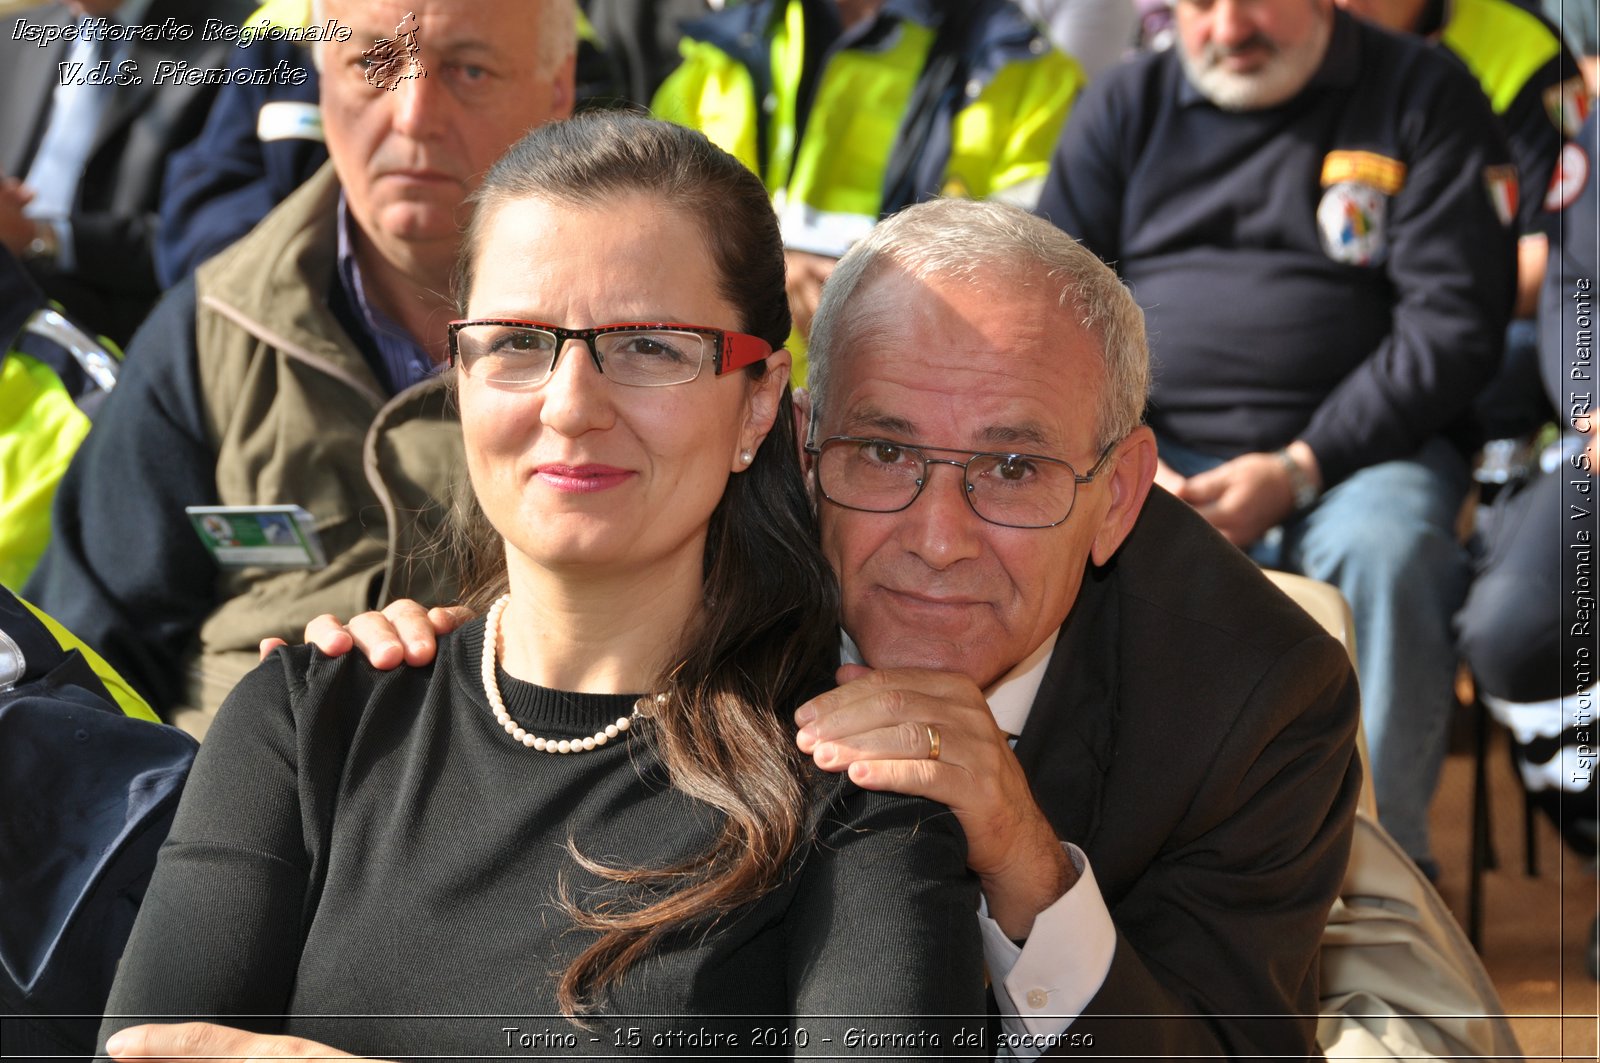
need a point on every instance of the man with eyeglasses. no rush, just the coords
(293, 380)
(1150, 749)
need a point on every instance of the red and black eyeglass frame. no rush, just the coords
(734, 350)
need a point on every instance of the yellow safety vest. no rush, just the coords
(50, 383)
(1502, 44)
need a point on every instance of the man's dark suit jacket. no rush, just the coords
(1195, 735)
(114, 215)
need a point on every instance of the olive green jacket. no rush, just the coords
(296, 415)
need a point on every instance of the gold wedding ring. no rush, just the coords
(933, 741)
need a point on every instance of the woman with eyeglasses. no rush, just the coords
(585, 829)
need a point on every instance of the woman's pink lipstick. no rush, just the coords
(581, 479)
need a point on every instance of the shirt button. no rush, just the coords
(1037, 998)
(974, 89)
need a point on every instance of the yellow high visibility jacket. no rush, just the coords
(934, 97)
(51, 380)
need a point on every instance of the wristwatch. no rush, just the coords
(46, 242)
(1305, 492)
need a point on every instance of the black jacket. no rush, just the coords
(1195, 734)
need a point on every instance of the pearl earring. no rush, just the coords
(746, 457)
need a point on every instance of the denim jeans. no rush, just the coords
(1386, 538)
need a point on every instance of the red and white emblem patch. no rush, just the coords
(1501, 183)
(1572, 173)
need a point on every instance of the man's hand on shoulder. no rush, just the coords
(881, 726)
(405, 632)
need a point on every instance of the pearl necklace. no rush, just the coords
(491, 689)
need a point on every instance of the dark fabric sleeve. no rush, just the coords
(883, 933)
(1566, 302)
(1083, 193)
(1217, 941)
(1452, 264)
(114, 251)
(125, 571)
(1535, 141)
(113, 284)
(220, 931)
(225, 182)
(1515, 618)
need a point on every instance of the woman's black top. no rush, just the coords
(367, 859)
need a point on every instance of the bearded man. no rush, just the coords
(1317, 218)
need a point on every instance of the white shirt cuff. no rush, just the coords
(1043, 986)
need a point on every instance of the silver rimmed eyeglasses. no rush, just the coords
(510, 353)
(1011, 490)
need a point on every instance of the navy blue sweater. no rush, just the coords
(1364, 340)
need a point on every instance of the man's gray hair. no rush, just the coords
(558, 32)
(992, 247)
